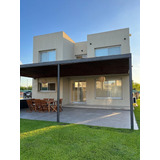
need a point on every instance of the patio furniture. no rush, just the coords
(38, 105)
(54, 107)
(33, 103)
(44, 105)
(30, 105)
(51, 103)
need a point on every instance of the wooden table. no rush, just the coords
(49, 104)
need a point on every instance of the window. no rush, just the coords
(46, 56)
(46, 86)
(107, 51)
(108, 88)
(81, 56)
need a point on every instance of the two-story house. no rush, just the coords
(95, 73)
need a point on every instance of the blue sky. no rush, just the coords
(78, 18)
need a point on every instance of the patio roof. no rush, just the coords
(117, 64)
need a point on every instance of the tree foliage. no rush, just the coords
(136, 86)
(25, 88)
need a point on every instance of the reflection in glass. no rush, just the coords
(78, 91)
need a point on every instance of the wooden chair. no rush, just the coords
(38, 105)
(30, 105)
(51, 103)
(33, 103)
(54, 107)
(44, 105)
(60, 105)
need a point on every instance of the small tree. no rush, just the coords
(136, 86)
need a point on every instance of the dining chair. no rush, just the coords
(44, 105)
(38, 105)
(30, 105)
(54, 108)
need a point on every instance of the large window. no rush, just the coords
(107, 51)
(46, 86)
(46, 56)
(108, 88)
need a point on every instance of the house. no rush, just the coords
(92, 74)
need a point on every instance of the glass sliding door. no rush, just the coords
(78, 92)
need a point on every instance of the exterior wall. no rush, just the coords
(123, 103)
(107, 39)
(65, 92)
(80, 46)
(92, 101)
(68, 49)
(59, 41)
(46, 94)
(48, 42)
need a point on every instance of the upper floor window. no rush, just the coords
(81, 56)
(107, 51)
(46, 56)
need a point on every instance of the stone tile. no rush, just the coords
(87, 116)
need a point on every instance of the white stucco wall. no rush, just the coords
(123, 103)
(48, 42)
(108, 39)
(68, 49)
(46, 94)
(80, 46)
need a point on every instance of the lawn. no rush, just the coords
(43, 140)
(137, 112)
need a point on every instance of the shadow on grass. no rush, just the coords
(27, 125)
(43, 130)
(35, 127)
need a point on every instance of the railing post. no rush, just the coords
(130, 91)
(58, 90)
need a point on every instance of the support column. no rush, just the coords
(58, 90)
(130, 90)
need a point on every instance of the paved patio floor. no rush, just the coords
(87, 116)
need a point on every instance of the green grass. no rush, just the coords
(137, 112)
(43, 140)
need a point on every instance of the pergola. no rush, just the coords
(114, 64)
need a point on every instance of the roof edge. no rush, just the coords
(62, 62)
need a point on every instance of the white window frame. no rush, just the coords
(47, 87)
(115, 98)
(40, 55)
(107, 48)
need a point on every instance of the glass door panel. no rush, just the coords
(78, 91)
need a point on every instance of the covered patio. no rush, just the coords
(107, 65)
(88, 116)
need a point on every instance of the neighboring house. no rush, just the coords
(80, 87)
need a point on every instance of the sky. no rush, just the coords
(77, 18)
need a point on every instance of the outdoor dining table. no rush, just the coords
(49, 104)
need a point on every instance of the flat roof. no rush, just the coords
(114, 64)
